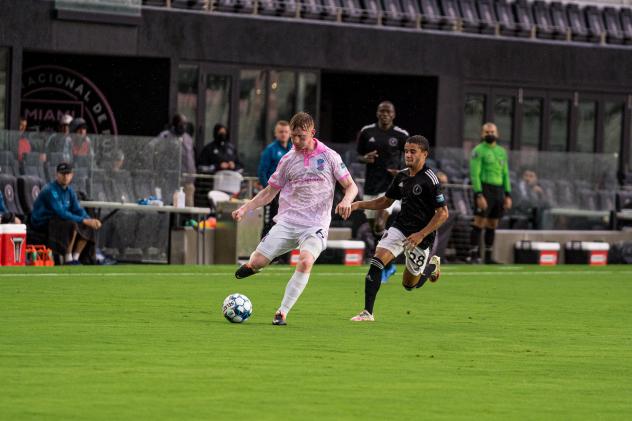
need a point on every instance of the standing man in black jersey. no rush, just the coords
(424, 209)
(380, 147)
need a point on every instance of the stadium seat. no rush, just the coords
(268, 7)
(351, 11)
(488, 21)
(560, 21)
(588, 199)
(143, 183)
(525, 23)
(626, 24)
(155, 3)
(289, 8)
(577, 23)
(411, 12)
(506, 19)
(9, 188)
(372, 11)
(542, 18)
(245, 6)
(393, 15)
(311, 9)
(565, 194)
(101, 187)
(8, 164)
(624, 200)
(32, 165)
(80, 181)
(226, 5)
(596, 27)
(614, 34)
(450, 9)
(469, 17)
(607, 200)
(431, 16)
(330, 9)
(122, 186)
(29, 187)
(189, 4)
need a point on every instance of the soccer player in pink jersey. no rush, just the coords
(306, 178)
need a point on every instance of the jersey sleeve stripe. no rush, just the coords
(433, 177)
(399, 129)
(368, 126)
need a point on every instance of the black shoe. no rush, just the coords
(244, 271)
(279, 319)
(491, 262)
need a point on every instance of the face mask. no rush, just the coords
(221, 137)
(490, 138)
(179, 130)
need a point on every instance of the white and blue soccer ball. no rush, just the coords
(237, 308)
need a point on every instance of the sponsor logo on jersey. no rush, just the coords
(372, 140)
(417, 190)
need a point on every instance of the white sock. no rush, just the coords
(75, 256)
(293, 290)
(67, 257)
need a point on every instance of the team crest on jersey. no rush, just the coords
(417, 190)
(320, 164)
(372, 140)
(393, 141)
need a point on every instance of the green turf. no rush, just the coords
(149, 342)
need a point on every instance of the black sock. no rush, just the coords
(490, 235)
(475, 241)
(372, 283)
(425, 275)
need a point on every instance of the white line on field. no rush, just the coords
(277, 273)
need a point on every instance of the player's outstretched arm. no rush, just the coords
(262, 198)
(440, 216)
(382, 202)
(351, 191)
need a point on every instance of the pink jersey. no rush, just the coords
(307, 182)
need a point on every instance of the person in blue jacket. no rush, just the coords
(7, 217)
(270, 158)
(58, 215)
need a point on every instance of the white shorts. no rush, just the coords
(371, 214)
(284, 238)
(416, 259)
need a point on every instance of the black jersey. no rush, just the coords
(421, 195)
(389, 145)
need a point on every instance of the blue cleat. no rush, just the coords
(388, 271)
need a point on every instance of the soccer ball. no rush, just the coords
(237, 308)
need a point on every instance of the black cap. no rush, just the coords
(64, 168)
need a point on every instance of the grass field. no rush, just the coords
(149, 342)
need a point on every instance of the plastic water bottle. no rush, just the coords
(179, 198)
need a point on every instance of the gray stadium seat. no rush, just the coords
(626, 24)
(411, 11)
(542, 18)
(268, 7)
(143, 183)
(596, 27)
(614, 34)
(525, 22)
(189, 4)
(290, 8)
(226, 5)
(311, 9)
(450, 10)
(560, 21)
(8, 164)
(351, 11)
(469, 17)
(32, 165)
(245, 6)
(487, 16)
(372, 11)
(431, 15)
(577, 23)
(607, 199)
(330, 9)
(393, 15)
(505, 16)
(101, 187)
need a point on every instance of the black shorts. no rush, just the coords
(59, 231)
(495, 196)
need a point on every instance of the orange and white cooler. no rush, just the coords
(594, 253)
(347, 252)
(12, 244)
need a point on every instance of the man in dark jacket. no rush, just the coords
(220, 154)
(59, 217)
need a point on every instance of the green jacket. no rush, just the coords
(489, 165)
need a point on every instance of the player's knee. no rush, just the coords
(305, 261)
(258, 261)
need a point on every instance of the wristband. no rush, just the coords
(507, 194)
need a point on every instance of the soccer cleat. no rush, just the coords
(364, 316)
(279, 319)
(434, 276)
(388, 271)
(244, 271)
(73, 263)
